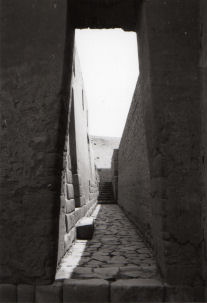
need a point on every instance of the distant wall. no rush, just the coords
(105, 174)
(103, 148)
(114, 172)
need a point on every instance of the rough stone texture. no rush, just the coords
(78, 164)
(183, 294)
(32, 135)
(8, 293)
(174, 148)
(25, 293)
(104, 13)
(36, 44)
(85, 291)
(49, 294)
(203, 68)
(116, 251)
(170, 138)
(136, 291)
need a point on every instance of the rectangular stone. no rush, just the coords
(86, 291)
(70, 221)
(76, 179)
(8, 293)
(49, 293)
(184, 294)
(70, 191)
(85, 228)
(78, 214)
(69, 238)
(25, 293)
(70, 205)
(69, 177)
(80, 201)
(137, 291)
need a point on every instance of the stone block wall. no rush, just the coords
(79, 188)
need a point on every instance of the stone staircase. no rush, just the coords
(106, 195)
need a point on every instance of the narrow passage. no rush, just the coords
(115, 252)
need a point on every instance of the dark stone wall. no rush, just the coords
(169, 48)
(114, 172)
(176, 143)
(203, 68)
(33, 65)
(104, 13)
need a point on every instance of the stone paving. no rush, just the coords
(115, 252)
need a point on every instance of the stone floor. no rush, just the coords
(115, 252)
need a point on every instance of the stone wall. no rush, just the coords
(79, 180)
(172, 128)
(203, 68)
(114, 171)
(33, 113)
(133, 164)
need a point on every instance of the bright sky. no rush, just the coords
(109, 64)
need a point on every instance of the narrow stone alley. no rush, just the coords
(116, 251)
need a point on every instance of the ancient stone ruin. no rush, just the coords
(150, 244)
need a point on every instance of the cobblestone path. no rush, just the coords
(115, 252)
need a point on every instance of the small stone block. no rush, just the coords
(184, 294)
(70, 205)
(85, 291)
(137, 291)
(8, 293)
(49, 293)
(80, 201)
(25, 293)
(70, 221)
(69, 239)
(85, 228)
(70, 191)
(69, 177)
(76, 179)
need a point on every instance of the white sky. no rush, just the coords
(109, 64)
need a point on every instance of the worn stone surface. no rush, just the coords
(85, 228)
(163, 178)
(8, 293)
(137, 291)
(32, 136)
(25, 293)
(70, 205)
(115, 251)
(91, 290)
(49, 293)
